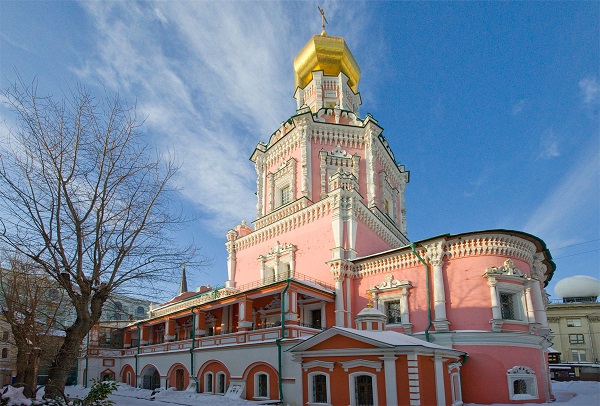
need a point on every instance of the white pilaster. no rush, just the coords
(389, 370)
(339, 301)
(440, 390)
(538, 303)
(348, 304)
(435, 254)
(529, 302)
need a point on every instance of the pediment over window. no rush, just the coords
(508, 269)
(390, 283)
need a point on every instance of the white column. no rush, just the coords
(337, 224)
(231, 259)
(496, 312)
(389, 370)
(439, 294)
(440, 390)
(258, 165)
(348, 304)
(370, 169)
(323, 315)
(538, 303)
(435, 254)
(339, 302)
(529, 303)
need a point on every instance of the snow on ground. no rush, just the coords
(567, 393)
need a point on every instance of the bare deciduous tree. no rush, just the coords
(33, 306)
(84, 198)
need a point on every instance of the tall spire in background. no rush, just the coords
(183, 285)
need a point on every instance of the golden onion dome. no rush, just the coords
(329, 54)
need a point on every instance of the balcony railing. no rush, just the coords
(268, 332)
(219, 293)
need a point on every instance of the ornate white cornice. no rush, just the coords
(481, 244)
(491, 244)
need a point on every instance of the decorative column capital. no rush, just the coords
(435, 252)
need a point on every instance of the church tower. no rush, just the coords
(329, 189)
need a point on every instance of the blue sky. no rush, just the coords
(492, 106)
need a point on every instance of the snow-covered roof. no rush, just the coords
(383, 339)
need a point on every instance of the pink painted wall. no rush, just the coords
(314, 241)
(468, 300)
(492, 362)
(368, 242)
(417, 301)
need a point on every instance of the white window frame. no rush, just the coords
(352, 385)
(573, 322)
(224, 377)
(579, 353)
(285, 176)
(574, 338)
(277, 263)
(311, 398)
(518, 293)
(526, 374)
(257, 386)
(394, 290)
(212, 389)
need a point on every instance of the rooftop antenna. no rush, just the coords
(323, 21)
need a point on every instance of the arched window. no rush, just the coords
(5, 353)
(261, 385)
(221, 383)
(140, 310)
(208, 383)
(118, 306)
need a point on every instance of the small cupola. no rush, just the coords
(370, 319)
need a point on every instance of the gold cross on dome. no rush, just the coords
(323, 21)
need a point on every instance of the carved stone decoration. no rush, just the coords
(508, 269)
(435, 253)
(454, 367)
(391, 283)
(520, 370)
(275, 303)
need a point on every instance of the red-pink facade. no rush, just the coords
(329, 239)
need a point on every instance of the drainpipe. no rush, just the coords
(137, 384)
(278, 341)
(412, 247)
(87, 351)
(193, 346)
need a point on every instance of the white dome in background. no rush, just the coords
(577, 286)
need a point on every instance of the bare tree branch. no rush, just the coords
(84, 198)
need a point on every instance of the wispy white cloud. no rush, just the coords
(212, 79)
(549, 145)
(13, 42)
(589, 89)
(572, 206)
(519, 106)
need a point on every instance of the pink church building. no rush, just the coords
(327, 301)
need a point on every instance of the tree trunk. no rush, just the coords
(67, 355)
